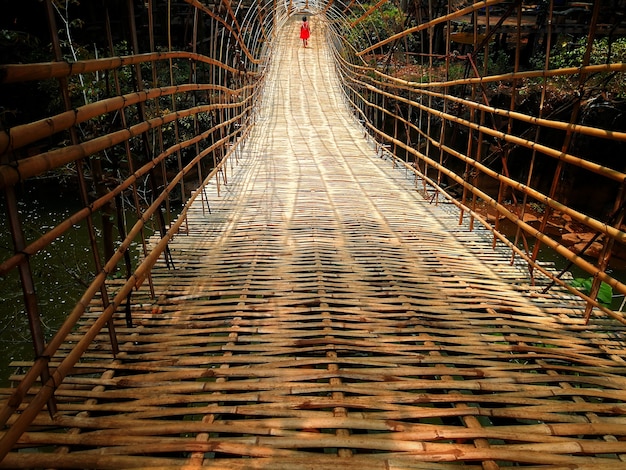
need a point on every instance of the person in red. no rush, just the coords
(305, 32)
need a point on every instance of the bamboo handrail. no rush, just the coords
(576, 215)
(533, 120)
(560, 72)
(22, 135)
(382, 102)
(350, 75)
(62, 227)
(13, 73)
(237, 37)
(614, 175)
(32, 166)
(371, 10)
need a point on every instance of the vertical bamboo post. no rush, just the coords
(395, 128)
(179, 157)
(196, 126)
(144, 137)
(130, 162)
(81, 177)
(157, 110)
(442, 131)
(470, 134)
(28, 289)
(574, 117)
(507, 152)
(605, 255)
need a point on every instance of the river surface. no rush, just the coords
(61, 273)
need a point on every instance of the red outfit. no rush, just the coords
(305, 33)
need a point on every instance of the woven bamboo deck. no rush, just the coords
(324, 315)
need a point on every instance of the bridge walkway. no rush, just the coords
(324, 314)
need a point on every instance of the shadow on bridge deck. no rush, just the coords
(324, 315)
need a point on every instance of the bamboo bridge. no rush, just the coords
(338, 289)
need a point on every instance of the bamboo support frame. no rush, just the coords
(21, 136)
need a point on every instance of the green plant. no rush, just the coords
(384, 22)
(499, 62)
(605, 294)
(538, 208)
(568, 52)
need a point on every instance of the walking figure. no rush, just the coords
(305, 32)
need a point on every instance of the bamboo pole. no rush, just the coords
(24, 134)
(229, 28)
(14, 73)
(28, 288)
(141, 272)
(93, 242)
(533, 120)
(31, 166)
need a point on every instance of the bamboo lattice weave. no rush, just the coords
(324, 315)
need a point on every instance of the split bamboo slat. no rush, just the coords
(323, 314)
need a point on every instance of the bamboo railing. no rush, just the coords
(461, 106)
(138, 128)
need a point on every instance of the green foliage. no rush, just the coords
(605, 294)
(20, 47)
(538, 208)
(499, 63)
(386, 21)
(568, 52)
(456, 71)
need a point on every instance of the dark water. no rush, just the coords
(61, 273)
